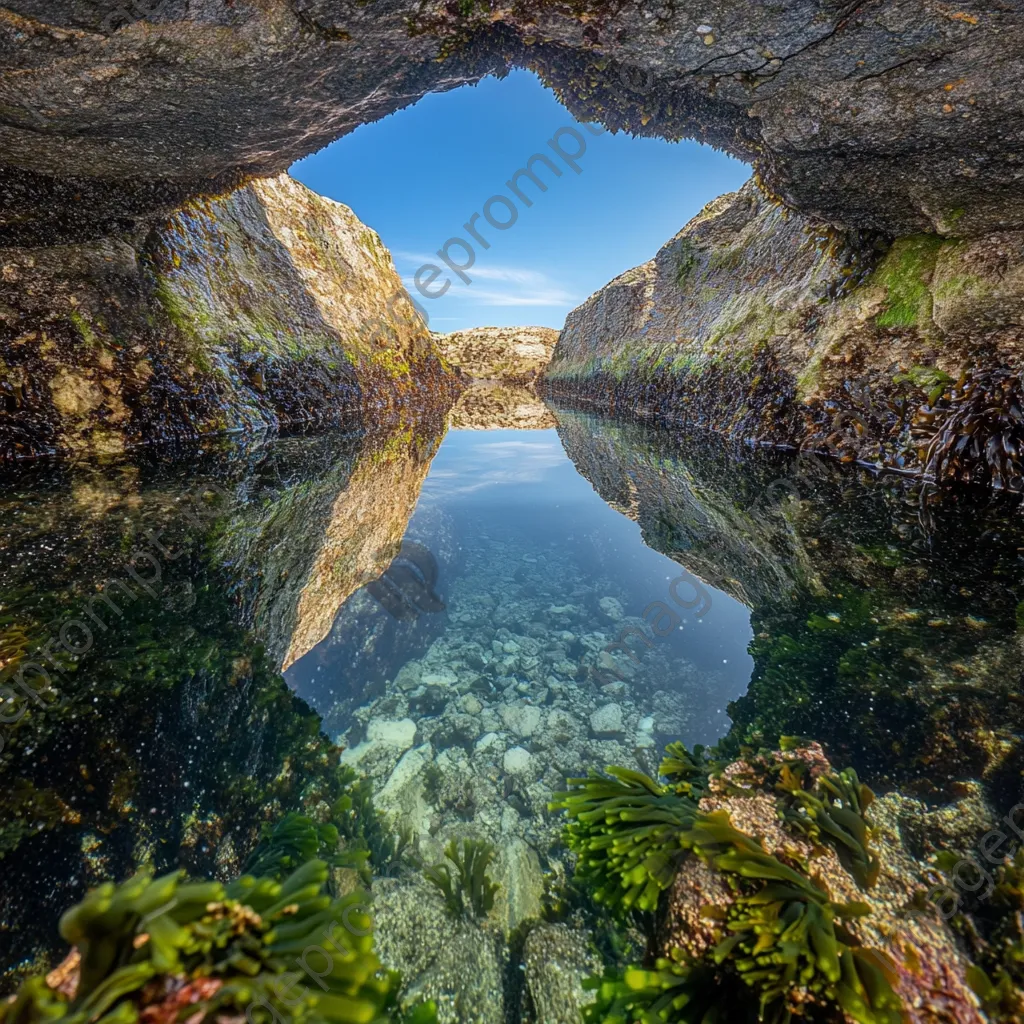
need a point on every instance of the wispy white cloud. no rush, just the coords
(524, 287)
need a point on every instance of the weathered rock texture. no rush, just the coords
(270, 307)
(899, 115)
(929, 968)
(515, 355)
(331, 526)
(768, 325)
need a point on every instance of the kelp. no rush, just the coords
(470, 891)
(168, 945)
(625, 831)
(833, 811)
(780, 935)
(972, 429)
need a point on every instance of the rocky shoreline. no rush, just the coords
(269, 308)
(768, 326)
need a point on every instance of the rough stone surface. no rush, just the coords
(557, 959)
(270, 307)
(929, 966)
(458, 964)
(515, 355)
(894, 114)
(607, 721)
(766, 325)
(517, 761)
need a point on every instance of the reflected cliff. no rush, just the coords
(147, 607)
(887, 623)
(489, 405)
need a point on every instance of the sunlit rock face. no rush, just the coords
(514, 355)
(270, 307)
(893, 114)
(766, 325)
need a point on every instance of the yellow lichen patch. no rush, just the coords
(74, 395)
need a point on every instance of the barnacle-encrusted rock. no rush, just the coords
(272, 306)
(892, 114)
(458, 964)
(771, 326)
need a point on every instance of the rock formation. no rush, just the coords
(512, 355)
(270, 307)
(898, 115)
(870, 617)
(886, 119)
(768, 325)
(489, 406)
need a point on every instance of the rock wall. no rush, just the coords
(270, 307)
(325, 528)
(899, 115)
(766, 325)
(515, 355)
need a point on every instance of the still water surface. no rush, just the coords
(215, 624)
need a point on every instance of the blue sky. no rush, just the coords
(419, 175)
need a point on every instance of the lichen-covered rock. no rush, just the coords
(270, 307)
(515, 355)
(770, 326)
(892, 114)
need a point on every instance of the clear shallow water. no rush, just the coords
(464, 677)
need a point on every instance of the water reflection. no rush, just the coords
(448, 613)
(168, 735)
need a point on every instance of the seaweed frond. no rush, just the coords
(469, 892)
(166, 945)
(834, 810)
(625, 830)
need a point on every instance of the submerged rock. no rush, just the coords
(607, 722)
(557, 958)
(457, 963)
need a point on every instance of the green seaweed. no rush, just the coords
(833, 811)
(296, 839)
(905, 273)
(781, 934)
(217, 950)
(389, 851)
(625, 831)
(469, 892)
